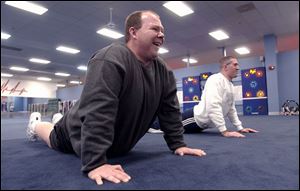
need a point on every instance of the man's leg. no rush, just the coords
(37, 128)
(189, 123)
(43, 130)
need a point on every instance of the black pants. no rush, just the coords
(188, 121)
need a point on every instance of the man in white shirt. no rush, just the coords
(217, 101)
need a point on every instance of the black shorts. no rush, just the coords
(59, 138)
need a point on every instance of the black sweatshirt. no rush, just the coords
(120, 100)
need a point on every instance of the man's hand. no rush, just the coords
(248, 130)
(112, 173)
(232, 134)
(188, 151)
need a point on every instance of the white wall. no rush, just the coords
(26, 88)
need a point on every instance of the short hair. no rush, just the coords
(226, 59)
(134, 20)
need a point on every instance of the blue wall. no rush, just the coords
(288, 80)
(288, 71)
(21, 103)
(245, 63)
(288, 76)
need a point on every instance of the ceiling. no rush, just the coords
(74, 23)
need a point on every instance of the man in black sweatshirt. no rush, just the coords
(126, 87)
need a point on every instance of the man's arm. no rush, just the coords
(97, 111)
(213, 102)
(113, 173)
(189, 151)
(170, 121)
(238, 133)
(169, 114)
(232, 134)
(238, 124)
(248, 130)
(233, 117)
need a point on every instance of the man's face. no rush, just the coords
(232, 68)
(150, 36)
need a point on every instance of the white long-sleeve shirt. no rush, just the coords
(217, 102)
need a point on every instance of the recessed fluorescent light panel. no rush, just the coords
(162, 50)
(6, 75)
(179, 8)
(62, 74)
(81, 67)
(60, 85)
(110, 33)
(67, 49)
(44, 79)
(75, 82)
(219, 35)
(38, 60)
(5, 35)
(242, 50)
(20, 69)
(27, 6)
(191, 60)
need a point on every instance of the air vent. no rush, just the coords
(246, 7)
(11, 48)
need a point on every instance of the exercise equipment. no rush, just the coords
(290, 107)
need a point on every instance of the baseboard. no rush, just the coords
(274, 113)
(270, 113)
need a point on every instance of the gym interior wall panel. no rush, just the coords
(254, 90)
(191, 91)
(288, 76)
(255, 107)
